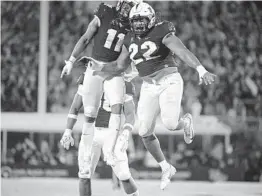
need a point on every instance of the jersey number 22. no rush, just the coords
(150, 48)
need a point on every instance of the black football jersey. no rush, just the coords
(109, 38)
(103, 116)
(148, 53)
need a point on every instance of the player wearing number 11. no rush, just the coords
(150, 47)
(107, 29)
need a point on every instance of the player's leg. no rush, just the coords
(114, 91)
(85, 180)
(122, 171)
(148, 110)
(170, 104)
(92, 93)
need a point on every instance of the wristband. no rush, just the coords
(68, 131)
(126, 125)
(72, 116)
(201, 70)
(72, 59)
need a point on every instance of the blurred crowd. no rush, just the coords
(26, 152)
(19, 55)
(223, 35)
(215, 163)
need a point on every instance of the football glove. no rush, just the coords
(122, 141)
(67, 139)
(67, 68)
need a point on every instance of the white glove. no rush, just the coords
(122, 141)
(201, 72)
(67, 68)
(110, 159)
(67, 139)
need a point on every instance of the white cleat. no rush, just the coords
(189, 132)
(166, 177)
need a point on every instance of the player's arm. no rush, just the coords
(81, 45)
(86, 38)
(129, 112)
(67, 140)
(120, 65)
(177, 47)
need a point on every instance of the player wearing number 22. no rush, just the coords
(107, 29)
(150, 47)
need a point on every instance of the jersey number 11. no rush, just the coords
(111, 37)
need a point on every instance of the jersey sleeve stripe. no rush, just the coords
(169, 33)
(99, 21)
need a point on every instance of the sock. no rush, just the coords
(71, 121)
(130, 186)
(153, 146)
(85, 187)
(87, 136)
(128, 126)
(164, 165)
(95, 156)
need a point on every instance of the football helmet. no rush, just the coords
(123, 7)
(142, 18)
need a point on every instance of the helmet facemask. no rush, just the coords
(139, 24)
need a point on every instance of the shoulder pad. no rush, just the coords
(165, 28)
(169, 26)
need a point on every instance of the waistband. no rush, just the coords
(156, 77)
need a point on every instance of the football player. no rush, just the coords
(150, 47)
(108, 29)
(100, 142)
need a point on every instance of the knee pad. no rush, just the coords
(144, 131)
(170, 123)
(123, 175)
(90, 111)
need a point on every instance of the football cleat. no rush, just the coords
(166, 177)
(189, 132)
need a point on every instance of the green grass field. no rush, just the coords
(69, 187)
